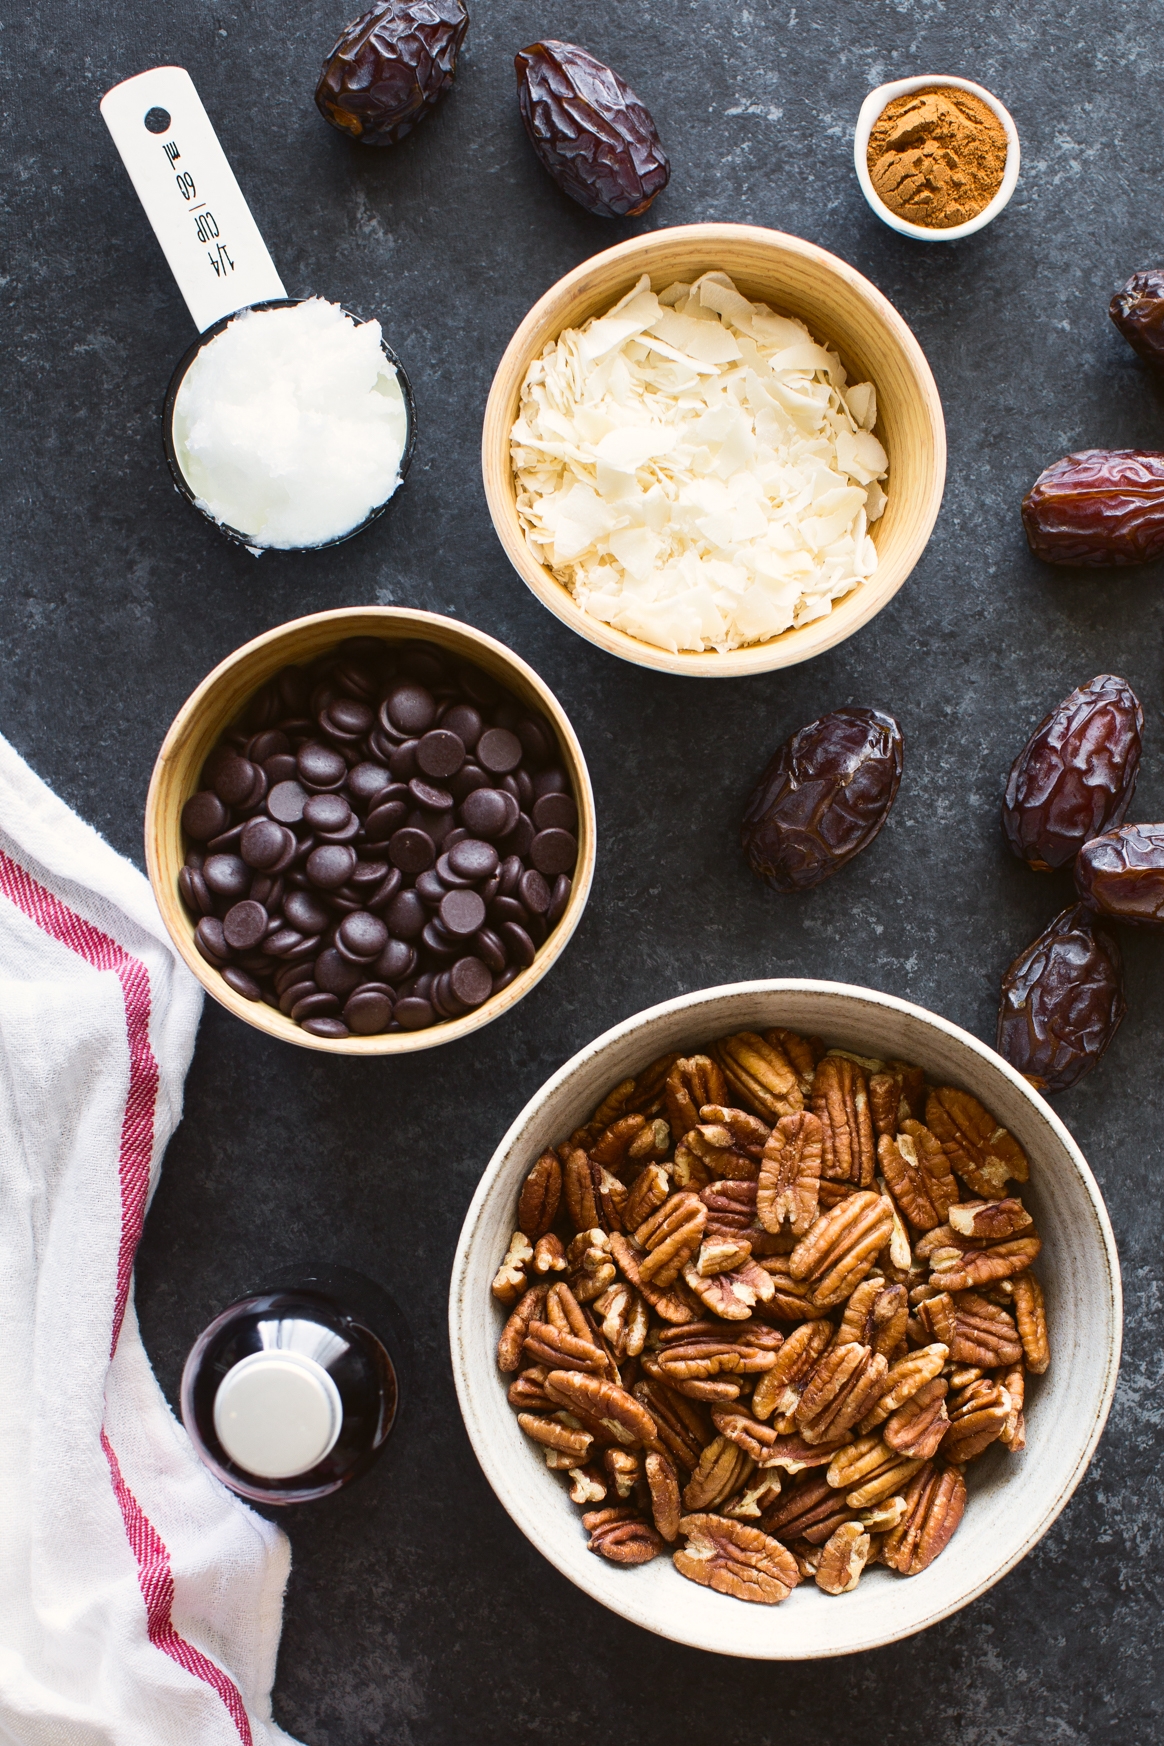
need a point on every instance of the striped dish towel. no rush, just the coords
(140, 1601)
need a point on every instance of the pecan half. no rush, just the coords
(920, 1423)
(1014, 1431)
(650, 1089)
(959, 1267)
(527, 1395)
(684, 1428)
(721, 1254)
(751, 1503)
(549, 1256)
(667, 1304)
(648, 1191)
(555, 1435)
(1031, 1315)
(883, 1515)
(722, 1468)
(759, 1072)
(991, 1220)
(886, 1105)
(934, 1502)
(619, 1412)
(558, 1349)
(983, 1154)
(978, 1417)
(782, 1384)
(748, 1434)
(802, 1052)
(670, 1237)
(589, 1265)
(612, 1147)
(840, 1098)
(663, 1485)
(841, 1390)
(510, 1279)
(841, 1247)
(810, 1510)
(580, 1180)
(587, 1486)
(735, 1559)
(693, 1081)
(622, 1536)
(789, 1187)
(624, 1467)
(909, 1176)
(976, 1331)
(537, 1206)
(843, 1558)
(876, 1316)
(731, 1295)
(903, 1380)
(794, 1455)
(869, 1470)
(513, 1334)
(624, 1319)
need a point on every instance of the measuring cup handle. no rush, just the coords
(190, 195)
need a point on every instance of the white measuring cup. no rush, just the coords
(210, 239)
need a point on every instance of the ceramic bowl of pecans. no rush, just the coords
(769, 1293)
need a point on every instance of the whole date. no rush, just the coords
(589, 130)
(1076, 775)
(1062, 1001)
(823, 797)
(1138, 311)
(1121, 874)
(390, 68)
(1099, 507)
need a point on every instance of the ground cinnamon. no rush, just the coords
(937, 157)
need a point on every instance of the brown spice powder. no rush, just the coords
(937, 157)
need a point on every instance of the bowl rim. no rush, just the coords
(792, 646)
(461, 1312)
(871, 108)
(413, 622)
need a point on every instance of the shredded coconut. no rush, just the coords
(290, 424)
(693, 467)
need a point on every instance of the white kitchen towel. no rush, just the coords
(140, 1601)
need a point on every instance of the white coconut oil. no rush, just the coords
(290, 425)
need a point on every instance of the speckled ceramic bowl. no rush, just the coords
(1013, 1499)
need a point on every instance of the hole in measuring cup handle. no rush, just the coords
(179, 478)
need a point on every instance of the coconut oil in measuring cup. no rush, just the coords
(288, 423)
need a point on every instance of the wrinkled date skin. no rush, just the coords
(1062, 1002)
(1121, 874)
(1138, 312)
(1099, 507)
(589, 130)
(823, 798)
(1076, 775)
(390, 67)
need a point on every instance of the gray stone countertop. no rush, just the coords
(416, 1613)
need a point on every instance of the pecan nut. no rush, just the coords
(876, 1315)
(555, 1435)
(611, 1149)
(670, 1237)
(843, 1558)
(920, 1423)
(978, 1417)
(981, 1152)
(589, 1266)
(841, 1247)
(587, 1486)
(722, 1469)
(1031, 1315)
(622, 1536)
(788, 1193)
(513, 1334)
(760, 1072)
(559, 1349)
(791, 1299)
(840, 1098)
(918, 1175)
(537, 1205)
(692, 1082)
(887, 1107)
(934, 1503)
(683, 1427)
(663, 1485)
(810, 1510)
(624, 1320)
(802, 1052)
(868, 1471)
(991, 1220)
(736, 1559)
(617, 1411)
(748, 1434)
(842, 1389)
(624, 1468)
(904, 1379)
(751, 1503)
(510, 1279)
(648, 1191)
(782, 1384)
(580, 1181)
(976, 1331)
(549, 1256)
(667, 1304)
(958, 1267)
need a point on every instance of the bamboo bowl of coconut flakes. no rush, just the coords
(843, 313)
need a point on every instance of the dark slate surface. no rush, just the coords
(416, 1612)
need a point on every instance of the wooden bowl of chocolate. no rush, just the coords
(714, 450)
(801, 1297)
(370, 831)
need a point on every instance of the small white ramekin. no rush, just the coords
(870, 110)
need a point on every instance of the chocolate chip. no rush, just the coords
(385, 820)
(552, 781)
(264, 843)
(241, 983)
(326, 1027)
(286, 801)
(518, 944)
(470, 981)
(234, 780)
(488, 947)
(281, 769)
(412, 851)
(368, 1012)
(428, 796)
(271, 744)
(536, 739)
(226, 875)
(559, 900)
(245, 924)
(368, 780)
(295, 991)
(554, 851)
(464, 721)
(410, 707)
(486, 812)
(305, 912)
(440, 752)
(534, 892)
(195, 892)
(335, 974)
(330, 866)
(498, 751)
(362, 935)
(320, 767)
(327, 812)
(386, 890)
(466, 781)
(204, 815)
(396, 961)
(430, 887)
(446, 874)
(555, 812)
(402, 761)
(226, 842)
(472, 858)
(414, 1014)
(518, 840)
(351, 717)
(406, 916)
(211, 941)
(461, 912)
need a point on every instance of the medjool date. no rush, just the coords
(1098, 507)
(390, 67)
(1062, 1001)
(1121, 874)
(1138, 312)
(589, 130)
(1076, 775)
(823, 798)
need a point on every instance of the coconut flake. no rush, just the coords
(695, 470)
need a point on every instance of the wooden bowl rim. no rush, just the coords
(792, 646)
(411, 622)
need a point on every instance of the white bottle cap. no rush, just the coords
(277, 1414)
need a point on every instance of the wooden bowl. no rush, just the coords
(1013, 1499)
(219, 700)
(842, 310)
